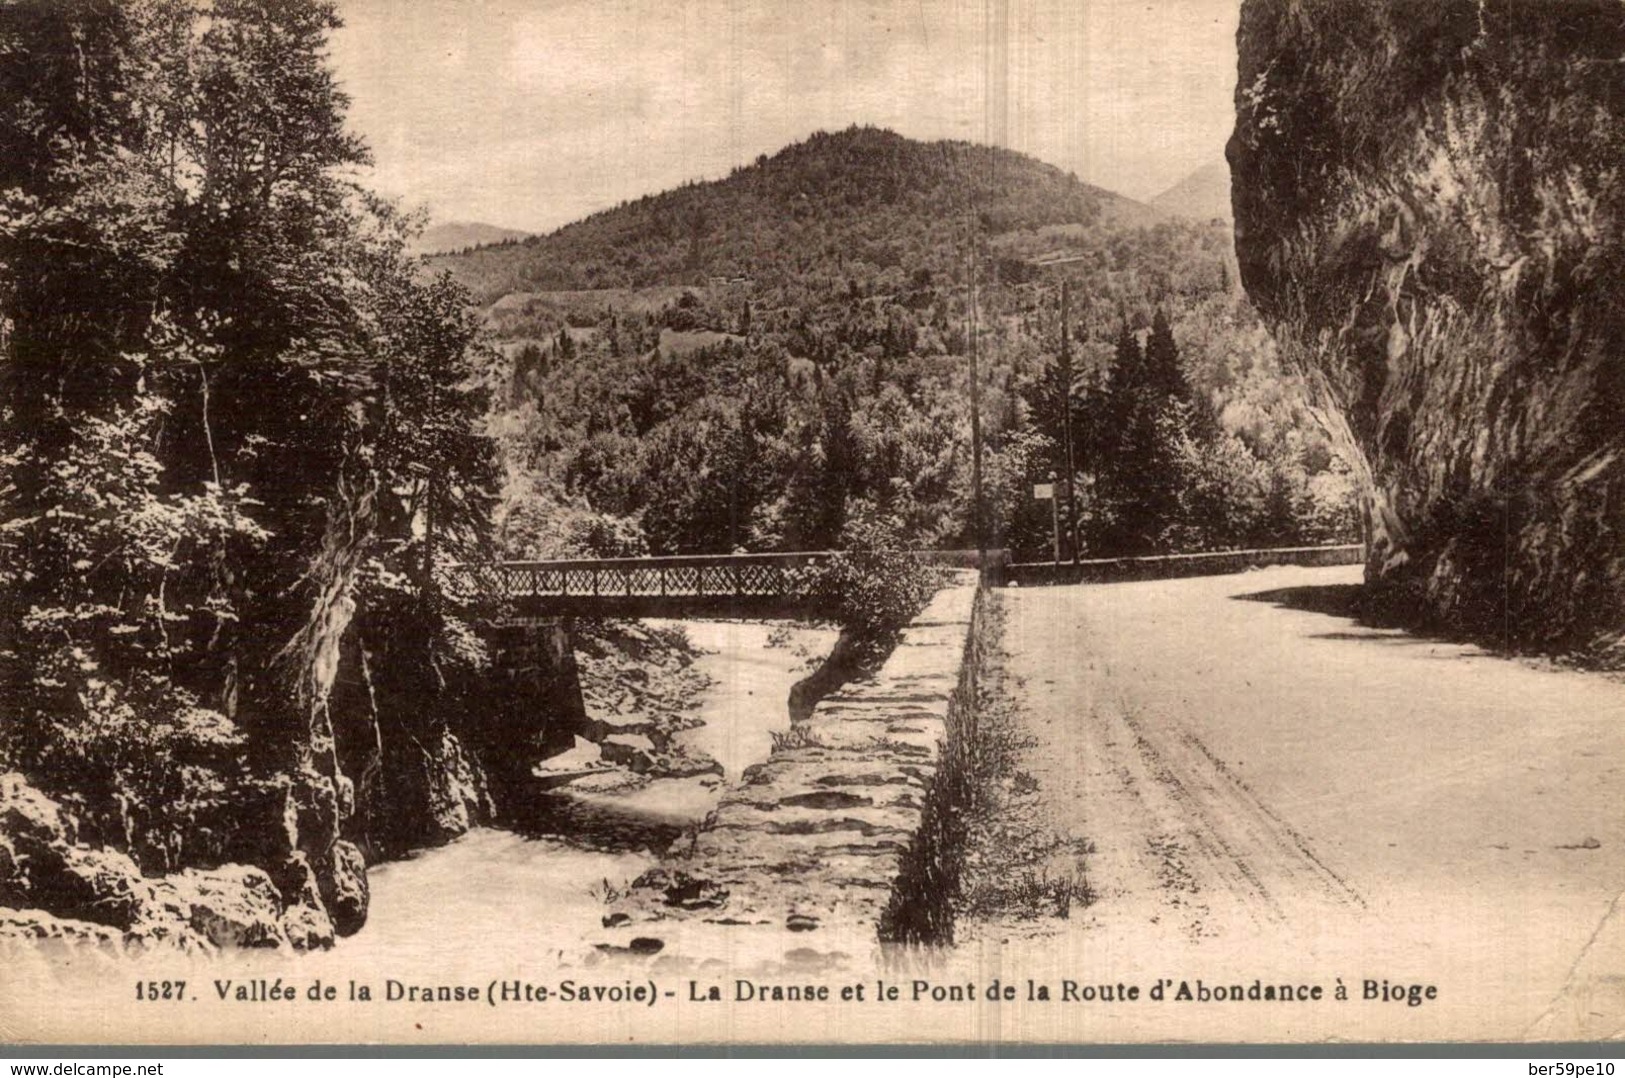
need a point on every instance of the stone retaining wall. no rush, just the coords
(1106, 570)
(799, 861)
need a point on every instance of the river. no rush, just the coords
(541, 893)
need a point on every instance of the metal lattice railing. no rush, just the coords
(665, 586)
(707, 576)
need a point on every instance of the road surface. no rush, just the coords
(1266, 784)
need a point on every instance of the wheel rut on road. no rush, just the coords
(1177, 839)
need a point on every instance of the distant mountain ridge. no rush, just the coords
(1201, 196)
(453, 236)
(863, 195)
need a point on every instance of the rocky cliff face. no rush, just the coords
(420, 756)
(56, 888)
(1429, 201)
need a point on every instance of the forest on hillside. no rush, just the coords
(756, 363)
(863, 196)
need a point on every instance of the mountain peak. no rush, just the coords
(1203, 195)
(863, 196)
(448, 236)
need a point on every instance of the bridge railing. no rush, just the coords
(1163, 566)
(719, 576)
(669, 585)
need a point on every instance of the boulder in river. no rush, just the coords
(681, 889)
(634, 751)
(344, 887)
(232, 906)
(42, 867)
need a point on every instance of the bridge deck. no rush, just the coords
(688, 585)
(675, 586)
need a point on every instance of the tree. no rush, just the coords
(1162, 374)
(221, 371)
(1048, 398)
(1137, 477)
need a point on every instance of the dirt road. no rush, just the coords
(1259, 777)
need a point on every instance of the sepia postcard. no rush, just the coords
(854, 522)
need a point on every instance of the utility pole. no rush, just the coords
(1055, 517)
(978, 515)
(973, 262)
(1066, 416)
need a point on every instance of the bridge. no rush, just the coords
(676, 586)
(731, 585)
(530, 605)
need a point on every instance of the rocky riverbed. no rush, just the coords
(804, 859)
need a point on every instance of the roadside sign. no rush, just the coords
(1044, 492)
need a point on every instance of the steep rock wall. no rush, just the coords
(1429, 205)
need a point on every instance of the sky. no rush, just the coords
(533, 113)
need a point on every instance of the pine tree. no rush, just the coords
(1136, 472)
(1163, 373)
